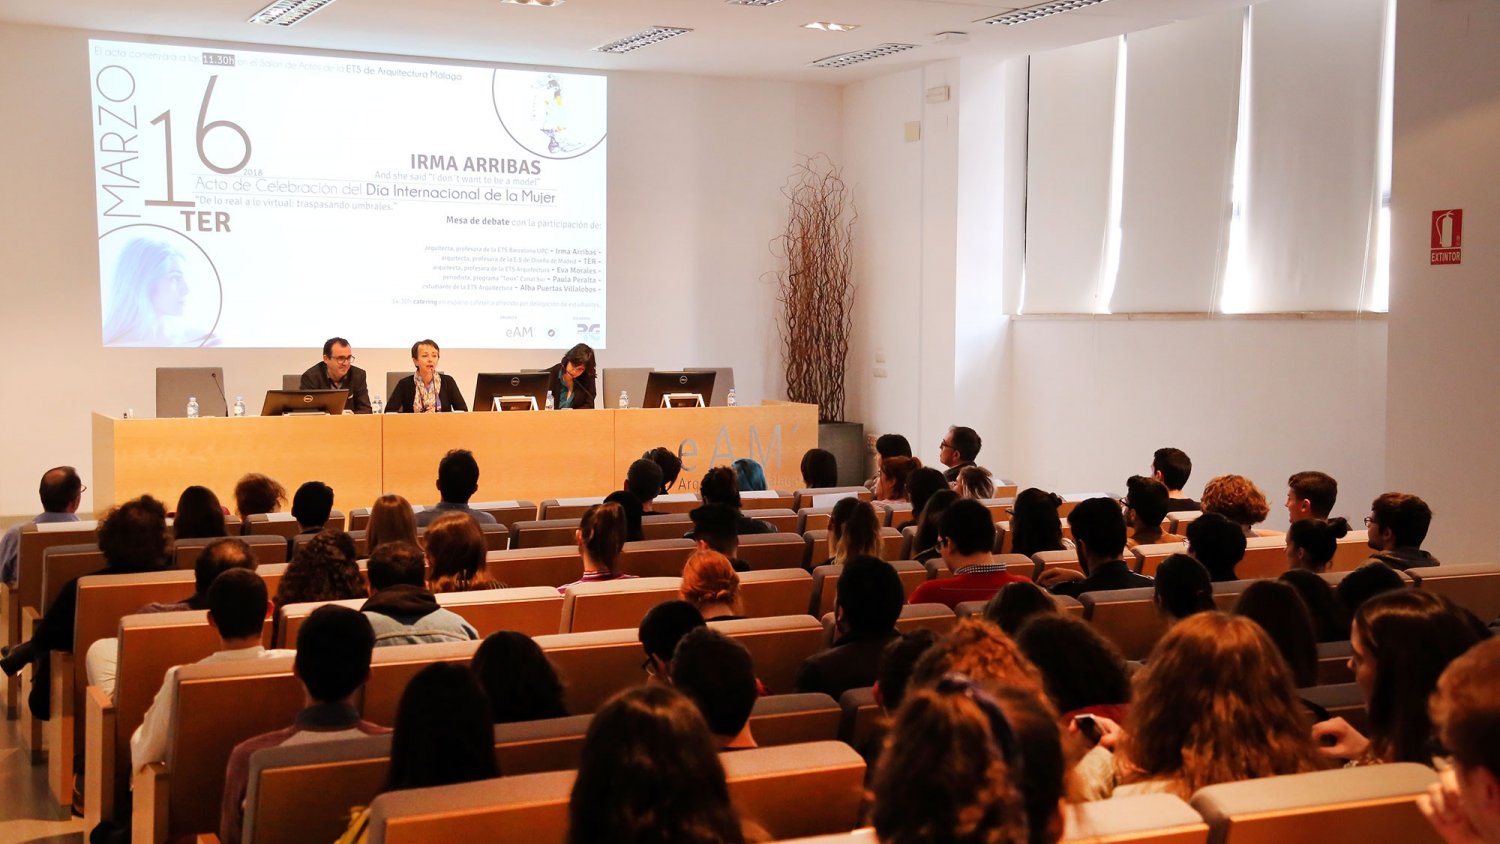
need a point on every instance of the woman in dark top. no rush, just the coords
(199, 514)
(1034, 523)
(426, 390)
(519, 682)
(574, 382)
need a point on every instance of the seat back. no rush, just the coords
(533, 610)
(1371, 803)
(1333, 662)
(272, 524)
(772, 551)
(767, 499)
(775, 592)
(655, 557)
(506, 512)
(822, 497)
(613, 604)
(267, 549)
(665, 525)
(935, 617)
(1265, 556)
(567, 508)
(1045, 560)
(825, 588)
(361, 542)
(861, 722)
(553, 566)
(794, 719)
(594, 666)
(677, 502)
(813, 518)
(62, 564)
(784, 519)
(393, 666)
(1341, 700)
(1148, 557)
(33, 541)
(778, 645)
(1127, 617)
(1474, 586)
(541, 533)
(1351, 551)
(1065, 605)
(1159, 818)
(891, 541)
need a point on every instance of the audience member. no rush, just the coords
(891, 484)
(717, 673)
(966, 539)
(401, 610)
(920, 487)
(1145, 504)
(662, 627)
(1397, 526)
(1402, 641)
(518, 680)
(322, 570)
(1016, 603)
(958, 450)
(311, 506)
(709, 582)
(1099, 533)
(60, 490)
(255, 494)
(630, 508)
(601, 538)
(1465, 806)
(749, 475)
(1366, 582)
(650, 772)
(237, 610)
(1310, 495)
(1034, 524)
(925, 543)
(719, 486)
(443, 736)
(332, 663)
(457, 481)
(643, 480)
(714, 528)
(1213, 681)
(887, 446)
(869, 601)
(132, 538)
(896, 662)
(1330, 619)
(1311, 543)
(1183, 587)
(981, 651)
(951, 771)
(199, 515)
(456, 555)
(975, 482)
(1217, 543)
(853, 531)
(820, 469)
(391, 520)
(669, 463)
(1172, 467)
(1237, 499)
(1279, 610)
(1083, 672)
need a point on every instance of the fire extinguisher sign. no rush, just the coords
(1447, 236)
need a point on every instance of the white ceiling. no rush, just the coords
(727, 40)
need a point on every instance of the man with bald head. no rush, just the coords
(60, 491)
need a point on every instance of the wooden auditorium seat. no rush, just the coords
(778, 645)
(361, 544)
(272, 524)
(826, 496)
(1351, 551)
(655, 557)
(1265, 556)
(766, 499)
(506, 512)
(771, 592)
(935, 617)
(567, 508)
(1065, 604)
(553, 566)
(1474, 586)
(1127, 617)
(771, 551)
(613, 604)
(533, 610)
(1046, 560)
(818, 550)
(1342, 700)
(1179, 521)
(267, 549)
(825, 583)
(542, 533)
(861, 719)
(1333, 662)
(1145, 558)
(1159, 818)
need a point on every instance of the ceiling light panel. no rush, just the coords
(1031, 13)
(830, 26)
(846, 59)
(547, 3)
(645, 38)
(287, 12)
(752, 2)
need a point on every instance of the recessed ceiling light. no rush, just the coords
(752, 2)
(1031, 13)
(846, 59)
(830, 26)
(533, 2)
(287, 12)
(645, 38)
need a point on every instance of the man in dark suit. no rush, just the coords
(338, 372)
(1099, 532)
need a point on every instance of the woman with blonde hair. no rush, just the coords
(1238, 499)
(709, 582)
(975, 482)
(455, 555)
(853, 531)
(1214, 704)
(601, 538)
(391, 519)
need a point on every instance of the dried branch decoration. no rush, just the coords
(816, 288)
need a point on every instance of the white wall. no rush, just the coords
(1443, 424)
(694, 171)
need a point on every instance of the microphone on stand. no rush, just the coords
(214, 375)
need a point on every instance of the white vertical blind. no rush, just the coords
(1067, 175)
(1315, 71)
(1180, 123)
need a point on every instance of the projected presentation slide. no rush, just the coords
(259, 199)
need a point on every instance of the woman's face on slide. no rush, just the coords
(169, 293)
(426, 360)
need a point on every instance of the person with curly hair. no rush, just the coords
(322, 570)
(980, 650)
(1213, 680)
(254, 494)
(1238, 499)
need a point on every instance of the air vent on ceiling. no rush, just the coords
(645, 38)
(1031, 13)
(287, 12)
(846, 59)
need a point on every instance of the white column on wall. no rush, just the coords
(1180, 122)
(1068, 175)
(1314, 115)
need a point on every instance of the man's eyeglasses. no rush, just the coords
(1369, 520)
(649, 666)
(945, 444)
(343, 359)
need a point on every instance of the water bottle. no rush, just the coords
(192, 407)
(551, 403)
(624, 400)
(377, 404)
(239, 405)
(730, 398)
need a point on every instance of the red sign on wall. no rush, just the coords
(1447, 236)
